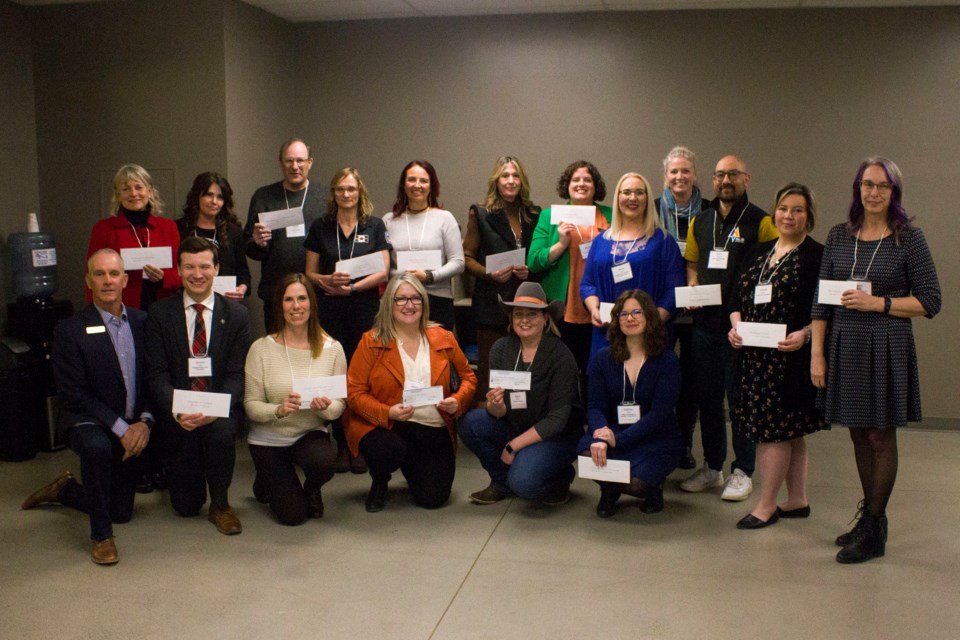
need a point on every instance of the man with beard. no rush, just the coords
(717, 241)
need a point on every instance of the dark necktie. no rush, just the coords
(199, 346)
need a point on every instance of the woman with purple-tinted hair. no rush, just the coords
(867, 366)
(417, 225)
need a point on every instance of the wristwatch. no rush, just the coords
(509, 449)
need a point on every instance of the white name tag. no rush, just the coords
(518, 399)
(97, 329)
(718, 259)
(200, 367)
(628, 413)
(585, 249)
(297, 231)
(763, 294)
(683, 246)
(622, 272)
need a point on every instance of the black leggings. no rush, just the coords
(277, 472)
(423, 454)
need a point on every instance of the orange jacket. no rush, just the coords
(375, 383)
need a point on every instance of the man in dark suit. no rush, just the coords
(197, 341)
(98, 365)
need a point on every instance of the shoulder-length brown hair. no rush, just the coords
(226, 217)
(654, 337)
(315, 333)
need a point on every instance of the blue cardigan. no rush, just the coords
(657, 269)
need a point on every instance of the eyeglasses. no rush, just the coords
(342, 190)
(635, 314)
(733, 175)
(883, 187)
(526, 315)
(626, 193)
(299, 162)
(402, 301)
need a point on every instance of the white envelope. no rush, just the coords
(578, 214)
(332, 387)
(135, 259)
(704, 295)
(831, 290)
(223, 284)
(209, 404)
(361, 266)
(499, 261)
(425, 396)
(613, 471)
(513, 380)
(761, 334)
(282, 218)
(427, 260)
(606, 312)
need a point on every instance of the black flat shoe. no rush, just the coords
(377, 498)
(802, 512)
(607, 507)
(750, 521)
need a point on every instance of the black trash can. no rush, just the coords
(21, 400)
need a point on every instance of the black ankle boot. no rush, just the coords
(609, 494)
(653, 501)
(377, 497)
(844, 538)
(867, 542)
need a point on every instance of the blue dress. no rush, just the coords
(657, 268)
(653, 443)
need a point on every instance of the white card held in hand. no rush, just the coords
(424, 396)
(506, 379)
(580, 215)
(426, 260)
(332, 387)
(282, 218)
(613, 471)
(135, 259)
(500, 261)
(761, 334)
(209, 404)
(830, 291)
(704, 295)
(225, 284)
(606, 309)
(361, 266)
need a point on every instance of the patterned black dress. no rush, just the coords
(872, 375)
(776, 399)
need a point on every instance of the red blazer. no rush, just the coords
(375, 383)
(116, 233)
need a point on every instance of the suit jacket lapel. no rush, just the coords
(501, 225)
(102, 341)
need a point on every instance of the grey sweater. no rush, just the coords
(432, 229)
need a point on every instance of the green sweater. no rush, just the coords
(557, 277)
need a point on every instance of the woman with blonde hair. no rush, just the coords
(136, 223)
(504, 222)
(347, 304)
(634, 253)
(394, 420)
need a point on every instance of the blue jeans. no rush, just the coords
(715, 366)
(537, 469)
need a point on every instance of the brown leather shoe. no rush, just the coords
(225, 520)
(49, 493)
(104, 552)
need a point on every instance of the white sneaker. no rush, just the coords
(739, 486)
(704, 478)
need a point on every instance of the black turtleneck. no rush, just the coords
(136, 218)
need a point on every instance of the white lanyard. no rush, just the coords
(676, 216)
(633, 396)
(779, 264)
(290, 364)
(516, 365)
(423, 227)
(626, 256)
(302, 202)
(352, 244)
(137, 236)
(856, 244)
(716, 214)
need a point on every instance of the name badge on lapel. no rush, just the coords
(96, 329)
(200, 367)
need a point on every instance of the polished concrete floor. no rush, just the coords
(511, 570)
